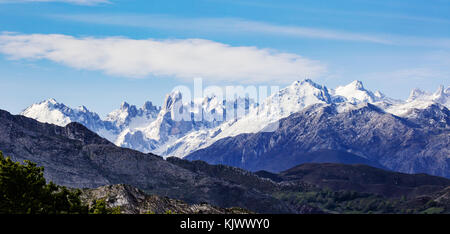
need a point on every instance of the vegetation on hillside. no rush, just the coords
(350, 202)
(24, 190)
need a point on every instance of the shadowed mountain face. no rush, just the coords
(325, 134)
(76, 157)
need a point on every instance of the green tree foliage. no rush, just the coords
(23, 190)
(354, 202)
(100, 207)
(169, 212)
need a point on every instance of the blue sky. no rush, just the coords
(100, 53)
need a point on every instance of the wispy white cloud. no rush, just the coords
(332, 11)
(242, 26)
(220, 25)
(177, 58)
(79, 2)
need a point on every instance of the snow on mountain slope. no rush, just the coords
(287, 101)
(147, 137)
(129, 116)
(50, 111)
(442, 96)
(279, 105)
(355, 93)
(293, 99)
(419, 99)
(157, 129)
(146, 129)
(155, 137)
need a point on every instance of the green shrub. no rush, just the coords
(24, 190)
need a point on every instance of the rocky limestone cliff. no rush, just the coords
(132, 200)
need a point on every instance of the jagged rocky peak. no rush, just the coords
(441, 96)
(211, 100)
(50, 101)
(416, 94)
(441, 93)
(308, 82)
(171, 99)
(304, 87)
(123, 113)
(83, 108)
(356, 93)
(130, 109)
(356, 84)
(127, 114)
(124, 105)
(148, 106)
(154, 129)
(213, 104)
(51, 111)
(40, 107)
(420, 94)
(301, 94)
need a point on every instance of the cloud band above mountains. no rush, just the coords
(240, 26)
(186, 58)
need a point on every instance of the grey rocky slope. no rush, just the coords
(418, 143)
(74, 156)
(131, 200)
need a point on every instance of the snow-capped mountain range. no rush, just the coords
(153, 129)
(51, 111)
